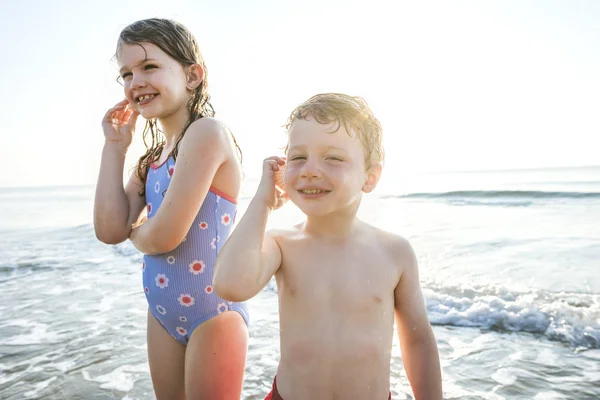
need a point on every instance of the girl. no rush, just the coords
(177, 208)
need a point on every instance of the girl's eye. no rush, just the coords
(334, 158)
(149, 66)
(126, 75)
(298, 158)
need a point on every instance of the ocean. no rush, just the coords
(509, 263)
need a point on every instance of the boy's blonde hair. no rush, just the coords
(351, 112)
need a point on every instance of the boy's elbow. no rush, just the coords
(228, 291)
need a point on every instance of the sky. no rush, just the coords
(457, 85)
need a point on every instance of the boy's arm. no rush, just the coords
(419, 348)
(250, 257)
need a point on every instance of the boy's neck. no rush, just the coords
(335, 225)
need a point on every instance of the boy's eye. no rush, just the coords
(298, 158)
(126, 75)
(334, 158)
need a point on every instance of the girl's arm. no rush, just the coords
(116, 208)
(203, 149)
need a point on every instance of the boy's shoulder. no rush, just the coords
(285, 233)
(395, 245)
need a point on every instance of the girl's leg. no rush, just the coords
(167, 359)
(216, 357)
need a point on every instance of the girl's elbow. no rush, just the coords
(165, 248)
(108, 237)
(154, 244)
(169, 243)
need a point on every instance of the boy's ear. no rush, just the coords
(373, 175)
(195, 76)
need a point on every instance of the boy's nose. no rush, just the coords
(310, 170)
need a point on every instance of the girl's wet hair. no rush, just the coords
(178, 42)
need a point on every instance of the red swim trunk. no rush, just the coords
(274, 395)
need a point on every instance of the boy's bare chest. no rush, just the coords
(360, 274)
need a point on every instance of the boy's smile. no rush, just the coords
(309, 193)
(324, 164)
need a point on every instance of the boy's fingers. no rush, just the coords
(280, 160)
(277, 159)
(270, 165)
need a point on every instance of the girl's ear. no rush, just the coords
(195, 76)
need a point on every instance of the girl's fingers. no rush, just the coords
(114, 113)
(117, 107)
(126, 115)
(132, 116)
(110, 114)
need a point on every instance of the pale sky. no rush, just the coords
(457, 85)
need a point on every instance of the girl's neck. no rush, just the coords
(172, 126)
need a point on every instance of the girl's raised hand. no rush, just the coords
(118, 124)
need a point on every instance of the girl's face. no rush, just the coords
(154, 83)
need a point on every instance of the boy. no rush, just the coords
(340, 281)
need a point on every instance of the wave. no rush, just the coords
(498, 194)
(570, 318)
(45, 249)
(497, 198)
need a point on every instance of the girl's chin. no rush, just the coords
(148, 114)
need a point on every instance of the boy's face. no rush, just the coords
(326, 170)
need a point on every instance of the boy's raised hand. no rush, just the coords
(270, 189)
(118, 124)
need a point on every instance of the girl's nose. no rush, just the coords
(138, 81)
